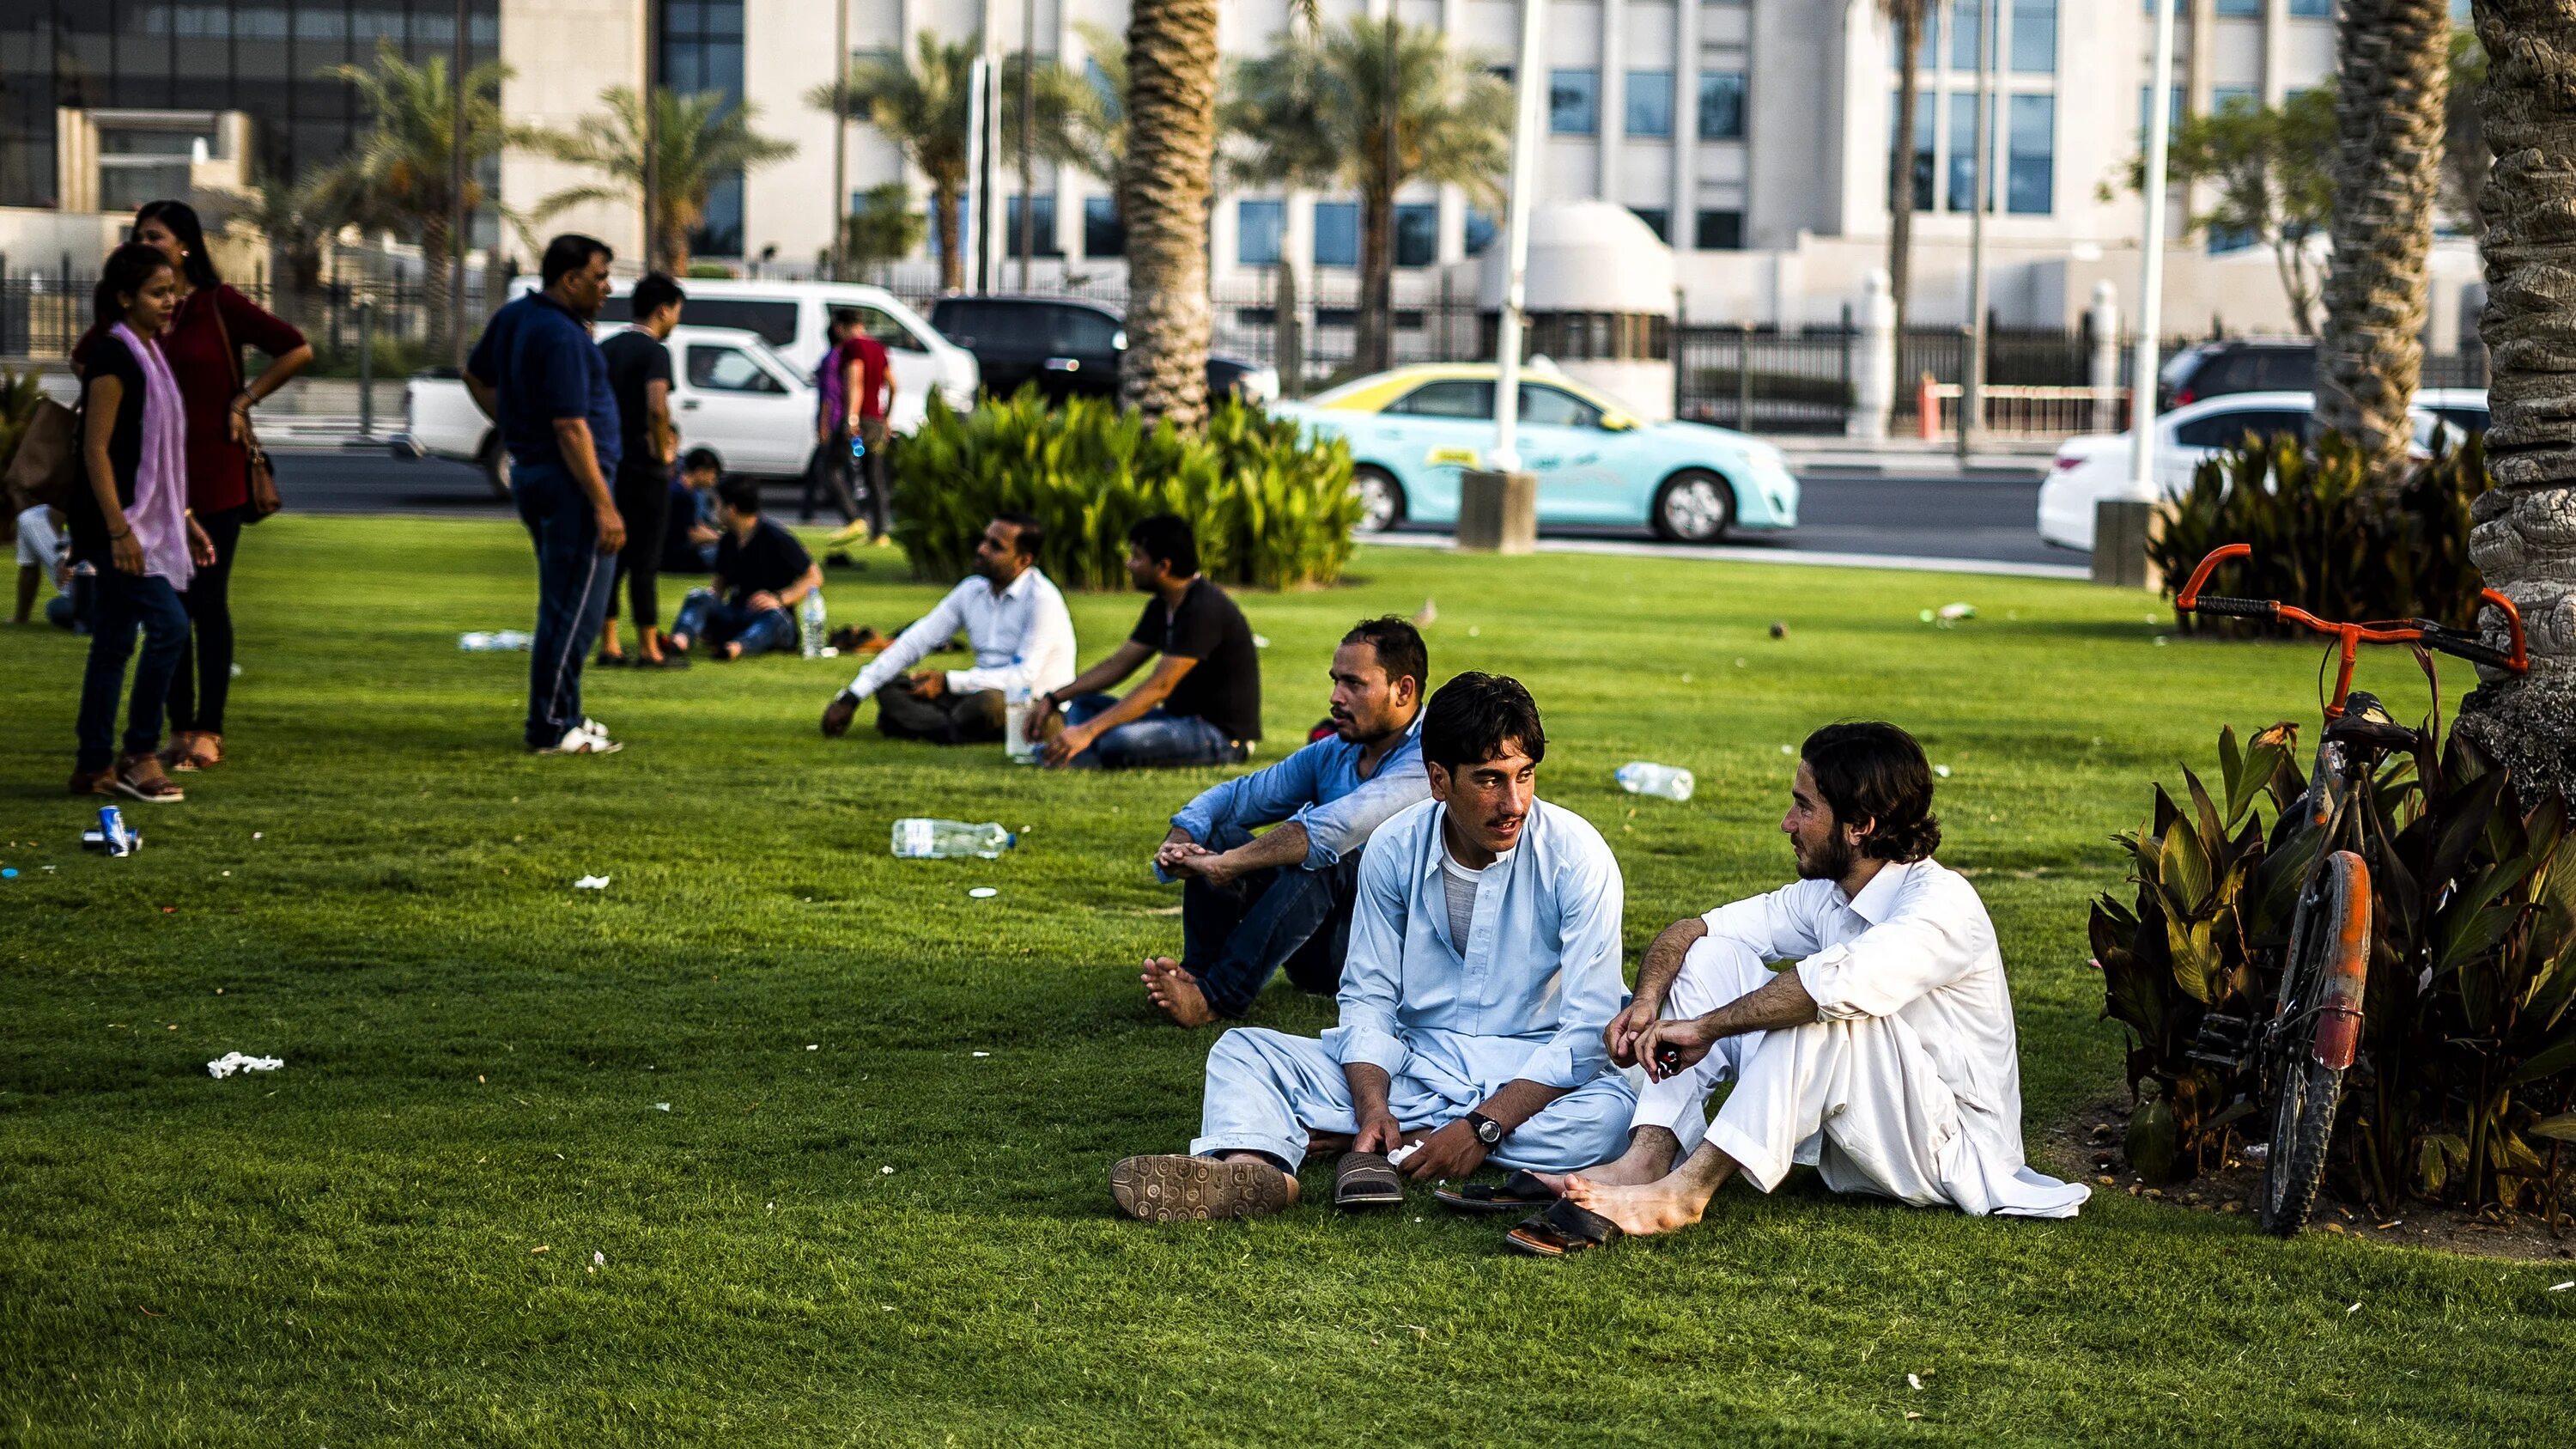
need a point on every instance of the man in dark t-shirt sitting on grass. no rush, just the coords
(1202, 703)
(762, 574)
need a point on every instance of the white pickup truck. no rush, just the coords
(735, 392)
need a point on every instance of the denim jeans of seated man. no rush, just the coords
(1235, 935)
(706, 619)
(1158, 740)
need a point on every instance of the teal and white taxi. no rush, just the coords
(1414, 431)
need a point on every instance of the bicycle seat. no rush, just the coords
(2365, 721)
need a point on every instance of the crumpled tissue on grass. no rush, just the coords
(231, 1062)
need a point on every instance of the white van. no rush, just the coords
(795, 318)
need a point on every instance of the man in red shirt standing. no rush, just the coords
(867, 391)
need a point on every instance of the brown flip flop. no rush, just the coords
(1520, 1191)
(1563, 1230)
(1171, 1188)
(1363, 1180)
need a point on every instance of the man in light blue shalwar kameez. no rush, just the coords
(1483, 967)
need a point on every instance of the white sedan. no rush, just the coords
(2095, 467)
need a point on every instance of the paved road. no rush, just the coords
(1989, 519)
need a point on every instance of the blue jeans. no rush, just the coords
(124, 603)
(573, 579)
(1158, 740)
(705, 618)
(1235, 935)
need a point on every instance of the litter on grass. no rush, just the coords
(598, 1259)
(231, 1062)
(885, 1172)
(983, 893)
(980, 1054)
(1913, 1382)
(1941, 770)
(591, 883)
(2562, 1287)
(661, 1106)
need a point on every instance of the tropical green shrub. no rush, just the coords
(2464, 1089)
(1271, 508)
(2323, 539)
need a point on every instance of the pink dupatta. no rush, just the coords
(159, 513)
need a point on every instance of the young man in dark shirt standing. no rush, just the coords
(762, 574)
(1202, 703)
(639, 373)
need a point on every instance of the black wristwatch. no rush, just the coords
(1487, 1130)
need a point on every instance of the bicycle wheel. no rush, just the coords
(2324, 985)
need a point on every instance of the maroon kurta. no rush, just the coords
(218, 470)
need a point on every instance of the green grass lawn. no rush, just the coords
(875, 1211)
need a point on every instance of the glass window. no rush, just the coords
(1417, 234)
(1925, 157)
(2034, 36)
(2173, 108)
(1657, 220)
(2286, 369)
(1337, 234)
(1083, 332)
(1481, 231)
(1103, 233)
(2228, 429)
(1719, 231)
(2239, 7)
(1963, 33)
(1573, 102)
(1650, 103)
(1043, 207)
(1927, 42)
(2030, 156)
(728, 369)
(1963, 154)
(774, 321)
(1455, 397)
(1721, 105)
(1554, 407)
(1257, 229)
(879, 325)
(2324, 9)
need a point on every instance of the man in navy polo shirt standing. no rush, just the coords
(537, 373)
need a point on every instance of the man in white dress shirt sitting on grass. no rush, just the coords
(1482, 975)
(1885, 1056)
(1013, 617)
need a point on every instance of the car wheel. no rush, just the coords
(1694, 506)
(495, 463)
(1381, 499)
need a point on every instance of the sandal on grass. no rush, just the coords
(1171, 1188)
(1515, 1193)
(1364, 1180)
(1562, 1231)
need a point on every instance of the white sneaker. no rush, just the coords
(582, 739)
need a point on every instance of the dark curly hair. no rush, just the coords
(1870, 770)
(1474, 715)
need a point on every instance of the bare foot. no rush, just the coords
(1662, 1206)
(732, 651)
(1177, 992)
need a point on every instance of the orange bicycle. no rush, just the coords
(2300, 1055)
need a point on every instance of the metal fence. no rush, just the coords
(42, 316)
(1763, 380)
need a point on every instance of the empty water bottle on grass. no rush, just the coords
(921, 839)
(809, 624)
(1638, 777)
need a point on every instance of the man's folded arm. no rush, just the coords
(1776, 926)
(1881, 970)
(1338, 827)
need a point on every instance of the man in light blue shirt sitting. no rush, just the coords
(1484, 965)
(1251, 904)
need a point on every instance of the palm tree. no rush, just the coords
(922, 109)
(1907, 17)
(2393, 59)
(1094, 123)
(396, 177)
(1163, 194)
(1371, 106)
(699, 140)
(883, 227)
(2527, 523)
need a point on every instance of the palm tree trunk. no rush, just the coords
(943, 212)
(1171, 156)
(1374, 343)
(2525, 535)
(2394, 59)
(436, 258)
(1900, 165)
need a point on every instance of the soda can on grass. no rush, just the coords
(113, 834)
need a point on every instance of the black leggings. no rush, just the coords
(644, 502)
(204, 681)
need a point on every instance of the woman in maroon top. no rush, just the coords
(219, 396)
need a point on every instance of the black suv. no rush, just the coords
(2215, 369)
(1069, 349)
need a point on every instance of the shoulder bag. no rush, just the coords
(47, 467)
(256, 472)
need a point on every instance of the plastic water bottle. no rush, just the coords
(858, 447)
(919, 839)
(1639, 777)
(1016, 703)
(809, 621)
(489, 641)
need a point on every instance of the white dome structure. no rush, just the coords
(1599, 298)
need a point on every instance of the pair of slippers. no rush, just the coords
(1557, 1229)
(1175, 1188)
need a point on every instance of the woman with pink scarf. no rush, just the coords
(133, 525)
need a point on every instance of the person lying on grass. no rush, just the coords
(1251, 904)
(762, 574)
(1482, 977)
(1885, 1057)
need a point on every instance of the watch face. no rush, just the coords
(1489, 1132)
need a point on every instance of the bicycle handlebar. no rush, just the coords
(2241, 608)
(2427, 632)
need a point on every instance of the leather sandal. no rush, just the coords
(1517, 1193)
(140, 776)
(1562, 1231)
(1364, 1180)
(192, 750)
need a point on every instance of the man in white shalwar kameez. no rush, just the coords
(1885, 1056)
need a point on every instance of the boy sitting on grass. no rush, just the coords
(762, 574)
